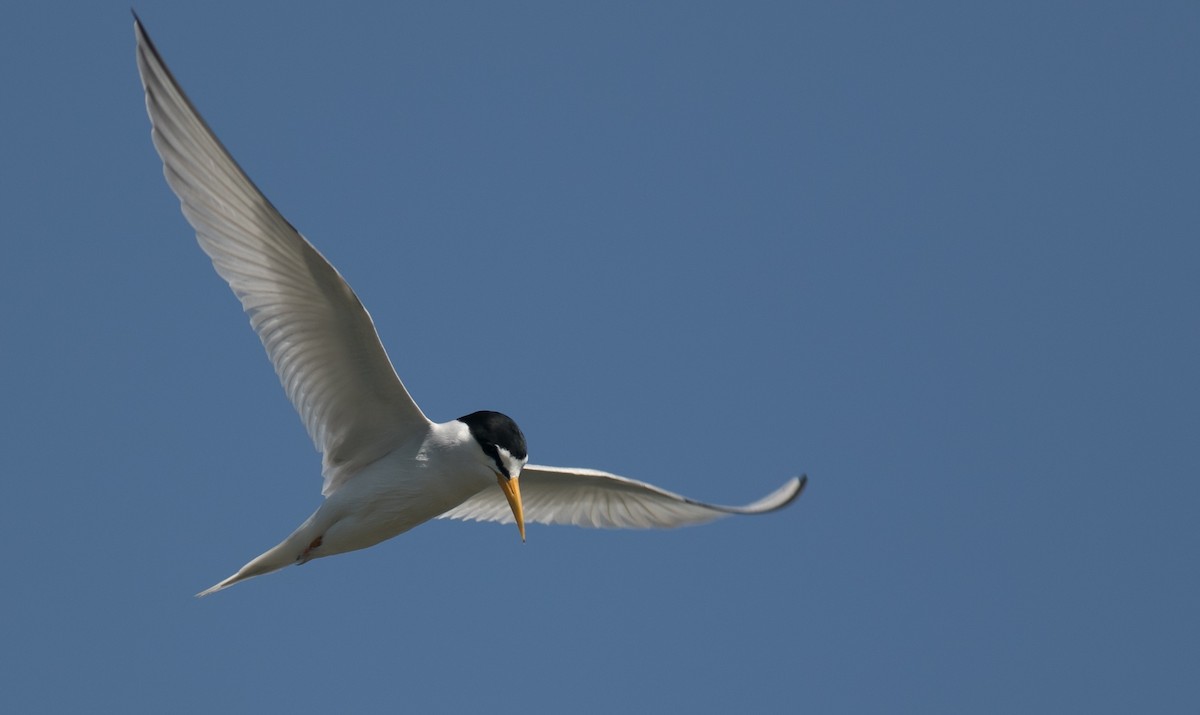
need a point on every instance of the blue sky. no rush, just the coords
(941, 258)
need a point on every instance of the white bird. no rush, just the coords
(387, 467)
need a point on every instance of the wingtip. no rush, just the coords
(797, 485)
(774, 501)
(139, 30)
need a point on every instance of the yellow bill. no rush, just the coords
(512, 490)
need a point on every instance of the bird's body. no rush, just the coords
(423, 478)
(387, 467)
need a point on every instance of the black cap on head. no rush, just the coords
(492, 430)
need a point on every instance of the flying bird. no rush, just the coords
(387, 467)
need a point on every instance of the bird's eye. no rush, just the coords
(492, 451)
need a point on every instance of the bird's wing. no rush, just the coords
(317, 334)
(586, 497)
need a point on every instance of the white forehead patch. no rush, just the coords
(511, 464)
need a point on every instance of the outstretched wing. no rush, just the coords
(317, 334)
(586, 497)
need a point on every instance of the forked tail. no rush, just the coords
(289, 551)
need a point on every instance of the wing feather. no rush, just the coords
(317, 334)
(586, 497)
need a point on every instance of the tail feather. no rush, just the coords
(239, 576)
(285, 553)
(273, 560)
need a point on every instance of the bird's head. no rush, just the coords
(503, 449)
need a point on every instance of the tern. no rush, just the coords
(387, 467)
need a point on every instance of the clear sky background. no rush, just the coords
(943, 259)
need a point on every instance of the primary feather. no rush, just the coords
(317, 334)
(587, 497)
